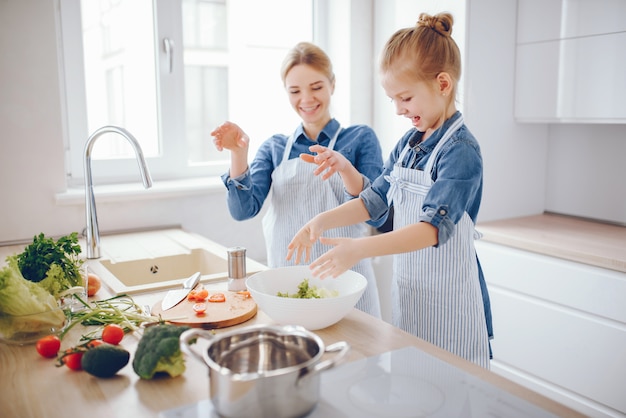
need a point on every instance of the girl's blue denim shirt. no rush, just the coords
(457, 178)
(358, 143)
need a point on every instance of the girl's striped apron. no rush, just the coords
(297, 196)
(436, 291)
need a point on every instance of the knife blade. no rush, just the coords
(173, 297)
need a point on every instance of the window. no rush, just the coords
(169, 71)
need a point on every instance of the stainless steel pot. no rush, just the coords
(264, 371)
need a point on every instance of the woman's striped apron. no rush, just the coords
(297, 196)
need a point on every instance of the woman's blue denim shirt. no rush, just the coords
(358, 143)
(457, 178)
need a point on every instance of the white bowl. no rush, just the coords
(312, 314)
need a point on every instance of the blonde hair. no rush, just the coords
(309, 54)
(424, 50)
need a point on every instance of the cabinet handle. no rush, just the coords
(168, 48)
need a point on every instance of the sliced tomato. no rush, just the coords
(192, 296)
(217, 297)
(201, 295)
(244, 293)
(199, 308)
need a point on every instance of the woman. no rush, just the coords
(318, 167)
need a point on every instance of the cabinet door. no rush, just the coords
(570, 59)
(579, 80)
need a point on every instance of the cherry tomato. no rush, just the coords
(94, 343)
(199, 308)
(201, 295)
(112, 334)
(191, 296)
(217, 297)
(73, 360)
(48, 346)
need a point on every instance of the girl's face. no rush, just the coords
(309, 93)
(424, 102)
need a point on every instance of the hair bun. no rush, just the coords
(440, 23)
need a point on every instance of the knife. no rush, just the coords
(173, 297)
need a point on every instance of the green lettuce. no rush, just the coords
(19, 297)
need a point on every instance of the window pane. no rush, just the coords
(204, 24)
(227, 69)
(206, 106)
(120, 75)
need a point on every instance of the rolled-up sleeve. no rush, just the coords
(247, 192)
(457, 187)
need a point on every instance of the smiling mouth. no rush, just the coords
(309, 109)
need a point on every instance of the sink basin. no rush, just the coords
(158, 260)
(163, 269)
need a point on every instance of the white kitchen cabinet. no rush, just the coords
(569, 61)
(560, 327)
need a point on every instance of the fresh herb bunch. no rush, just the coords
(43, 253)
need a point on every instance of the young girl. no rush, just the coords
(433, 179)
(335, 164)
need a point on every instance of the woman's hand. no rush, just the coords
(328, 161)
(231, 137)
(343, 255)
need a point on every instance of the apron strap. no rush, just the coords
(292, 138)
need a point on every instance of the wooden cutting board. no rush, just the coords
(235, 310)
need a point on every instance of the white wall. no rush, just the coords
(520, 159)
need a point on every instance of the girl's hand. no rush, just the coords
(337, 260)
(303, 241)
(231, 137)
(327, 160)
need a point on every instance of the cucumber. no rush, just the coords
(105, 360)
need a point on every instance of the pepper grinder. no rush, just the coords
(236, 268)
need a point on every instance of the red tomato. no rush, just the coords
(217, 297)
(94, 343)
(112, 334)
(73, 360)
(191, 296)
(199, 308)
(48, 346)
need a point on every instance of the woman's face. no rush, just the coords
(421, 101)
(309, 93)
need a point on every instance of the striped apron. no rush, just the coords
(436, 291)
(297, 195)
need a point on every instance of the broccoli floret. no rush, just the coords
(159, 352)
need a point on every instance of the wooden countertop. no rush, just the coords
(594, 243)
(31, 386)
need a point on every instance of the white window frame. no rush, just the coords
(172, 164)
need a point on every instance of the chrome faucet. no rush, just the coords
(93, 234)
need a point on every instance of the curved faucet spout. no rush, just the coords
(93, 234)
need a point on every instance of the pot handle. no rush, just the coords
(342, 347)
(188, 337)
